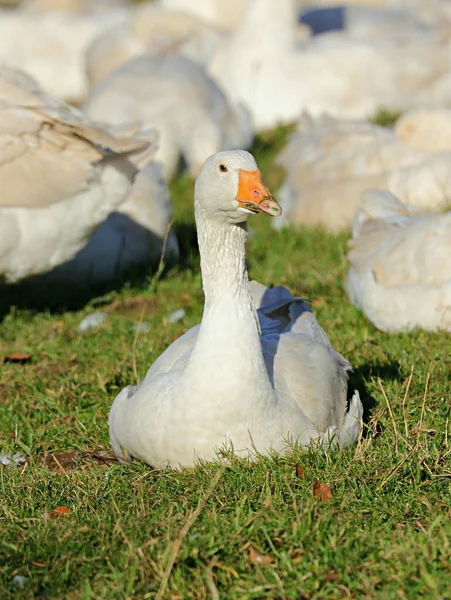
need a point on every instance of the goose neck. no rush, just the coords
(270, 24)
(223, 261)
(227, 360)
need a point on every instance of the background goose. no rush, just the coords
(61, 178)
(400, 274)
(427, 129)
(366, 22)
(329, 163)
(191, 112)
(50, 45)
(150, 29)
(72, 6)
(130, 239)
(263, 66)
(244, 378)
(217, 13)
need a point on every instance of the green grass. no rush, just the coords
(385, 117)
(133, 532)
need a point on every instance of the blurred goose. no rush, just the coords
(257, 373)
(400, 274)
(72, 6)
(50, 45)
(426, 129)
(190, 111)
(365, 22)
(215, 12)
(329, 163)
(61, 178)
(131, 239)
(263, 67)
(150, 29)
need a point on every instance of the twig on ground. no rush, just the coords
(159, 271)
(409, 380)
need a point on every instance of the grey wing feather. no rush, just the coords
(280, 313)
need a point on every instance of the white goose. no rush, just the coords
(262, 66)
(192, 114)
(61, 178)
(257, 373)
(221, 14)
(329, 163)
(50, 45)
(72, 6)
(150, 29)
(400, 274)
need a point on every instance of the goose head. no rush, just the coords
(230, 188)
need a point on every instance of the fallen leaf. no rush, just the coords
(330, 575)
(17, 357)
(261, 560)
(322, 491)
(299, 472)
(12, 435)
(60, 511)
(296, 555)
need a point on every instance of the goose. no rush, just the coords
(150, 29)
(425, 129)
(214, 12)
(50, 45)
(330, 162)
(365, 22)
(400, 271)
(131, 239)
(61, 177)
(263, 66)
(72, 6)
(257, 373)
(192, 114)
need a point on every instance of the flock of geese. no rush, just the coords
(102, 102)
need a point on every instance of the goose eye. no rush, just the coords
(223, 169)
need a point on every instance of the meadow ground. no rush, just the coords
(241, 531)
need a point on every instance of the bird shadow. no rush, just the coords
(186, 234)
(360, 377)
(92, 274)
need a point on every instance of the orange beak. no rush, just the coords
(253, 194)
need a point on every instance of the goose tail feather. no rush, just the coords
(349, 432)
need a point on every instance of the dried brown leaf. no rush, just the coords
(17, 357)
(60, 511)
(299, 472)
(261, 560)
(322, 491)
(331, 575)
(296, 555)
